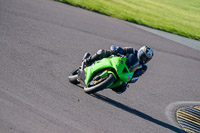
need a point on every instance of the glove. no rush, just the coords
(115, 50)
(113, 47)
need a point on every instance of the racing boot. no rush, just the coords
(120, 89)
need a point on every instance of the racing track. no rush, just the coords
(41, 41)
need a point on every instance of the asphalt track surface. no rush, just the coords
(41, 41)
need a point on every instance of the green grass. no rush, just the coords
(180, 17)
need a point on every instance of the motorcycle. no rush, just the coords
(105, 73)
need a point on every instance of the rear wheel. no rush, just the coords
(73, 76)
(99, 84)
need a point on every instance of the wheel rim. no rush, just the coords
(96, 81)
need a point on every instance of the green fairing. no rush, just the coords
(117, 63)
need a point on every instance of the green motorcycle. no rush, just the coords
(105, 73)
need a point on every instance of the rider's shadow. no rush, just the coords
(137, 113)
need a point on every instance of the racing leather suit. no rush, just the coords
(132, 60)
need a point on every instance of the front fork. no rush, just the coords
(81, 74)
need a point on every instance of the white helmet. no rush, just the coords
(145, 54)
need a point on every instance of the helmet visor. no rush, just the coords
(144, 59)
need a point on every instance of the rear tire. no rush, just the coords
(100, 86)
(73, 76)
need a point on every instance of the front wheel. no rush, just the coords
(73, 76)
(100, 84)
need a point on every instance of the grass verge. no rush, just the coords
(180, 17)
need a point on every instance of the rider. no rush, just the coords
(136, 61)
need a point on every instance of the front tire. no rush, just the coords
(100, 86)
(73, 76)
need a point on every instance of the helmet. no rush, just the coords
(145, 54)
